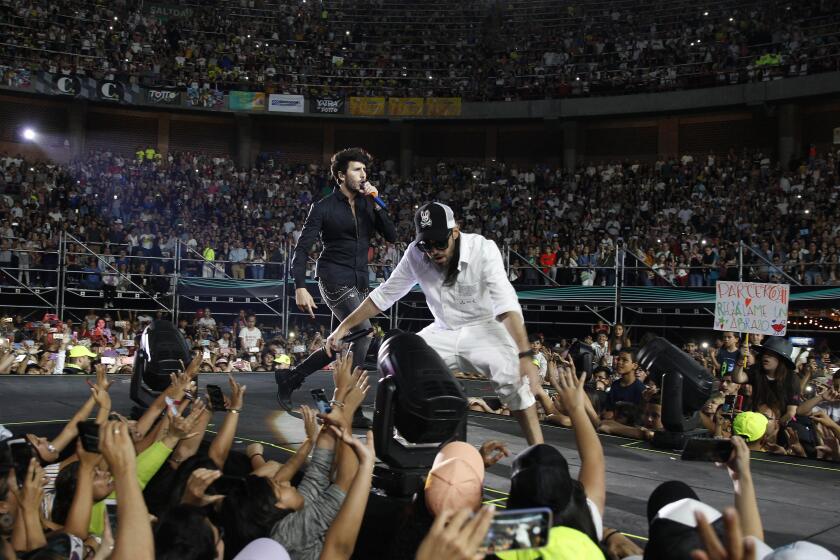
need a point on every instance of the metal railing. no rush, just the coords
(84, 278)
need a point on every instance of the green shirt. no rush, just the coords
(148, 463)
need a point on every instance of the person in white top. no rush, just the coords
(250, 337)
(478, 320)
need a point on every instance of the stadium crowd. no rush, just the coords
(674, 221)
(445, 49)
(212, 501)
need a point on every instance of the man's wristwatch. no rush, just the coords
(526, 354)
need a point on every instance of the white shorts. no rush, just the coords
(486, 348)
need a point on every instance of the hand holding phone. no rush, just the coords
(22, 454)
(89, 434)
(321, 402)
(517, 529)
(217, 398)
(707, 449)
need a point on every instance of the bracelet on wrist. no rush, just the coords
(610, 535)
(234, 410)
(339, 404)
(526, 354)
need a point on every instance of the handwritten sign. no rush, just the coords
(751, 307)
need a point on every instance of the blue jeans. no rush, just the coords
(695, 279)
(257, 272)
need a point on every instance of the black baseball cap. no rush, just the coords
(433, 222)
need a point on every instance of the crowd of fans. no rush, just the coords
(54, 347)
(504, 50)
(791, 396)
(208, 500)
(676, 221)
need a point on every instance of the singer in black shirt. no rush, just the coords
(344, 221)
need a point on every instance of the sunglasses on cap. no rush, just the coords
(428, 245)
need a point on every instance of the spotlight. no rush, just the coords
(685, 384)
(420, 406)
(162, 350)
(29, 134)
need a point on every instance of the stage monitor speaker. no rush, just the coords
(684, 383)
(162, 350)
(419, 404)
(583, 356)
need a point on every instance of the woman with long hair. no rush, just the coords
(774, 382)
(619, 339)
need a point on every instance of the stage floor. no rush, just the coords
(798, 499)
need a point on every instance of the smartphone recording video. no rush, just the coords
(707, 449)
(111, 509)
(217, 398)
(321, 401)
(22, 453)
(89, 432)
(517, 529)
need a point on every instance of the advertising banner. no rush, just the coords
(331, 105)
(752, 307)
(162, 97)
(367, 106)
(66, 85)
(107, 90)
(246, 101)
(13, 77)
(206, 98)
(164, 12)
(283, 103)
(443, 107)
(405, 106)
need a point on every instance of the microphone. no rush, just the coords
(375, 195)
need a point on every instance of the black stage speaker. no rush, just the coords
(162, 350)
(420, 406)
(684, 383)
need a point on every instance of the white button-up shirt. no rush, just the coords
(481, 292)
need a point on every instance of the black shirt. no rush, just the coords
(344, 258)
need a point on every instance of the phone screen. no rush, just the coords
(728, 405)
(321, 401)
(707, 449)
(217, 398)
(22, 453)
(111, 508)
(517, 529)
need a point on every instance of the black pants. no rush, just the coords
(342, 301)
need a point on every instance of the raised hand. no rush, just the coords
(30, 495)
(182, 427)
(364, 451)
(196, 490)
(736, 547)
(102, 380)
(343, 371)
(492, 451)
(310, 422)
(738, 464)
(456, 535)
(355, 395)
(116, 446)
(237, 394)
(570, 389)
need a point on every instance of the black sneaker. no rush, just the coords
(360, 422)
(287, 383)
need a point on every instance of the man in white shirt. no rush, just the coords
(478, 320)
